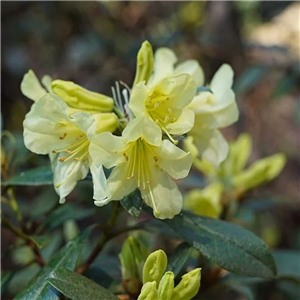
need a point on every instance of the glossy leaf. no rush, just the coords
(38, 288)
(133, 203)
(78, 287)
(177, 260)
(228, 245)
(5, 278)
(37, 176)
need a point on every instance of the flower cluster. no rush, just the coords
(135, 133)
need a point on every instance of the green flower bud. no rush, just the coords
(80, 98)
(262, 171)
(132, 257)
(155, 267)
(188, 286)
(148, 292)
(106, 122)
(144, 64)
(166, 286)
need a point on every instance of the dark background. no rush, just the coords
(95, 44)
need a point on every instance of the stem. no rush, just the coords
(29, 241)
(105, 237)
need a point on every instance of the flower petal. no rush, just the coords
(101, 191)
(183, 124)
(31, 87)
(67, 174)
(222, 80)
(144, 127)
(180, 89)
(138, 97)
(173, 160)
(165, 197)
(48, 127)
(118, 183)
(46, 81)
(211, 145)
(105, 149)
(164, 61)
(192, 68)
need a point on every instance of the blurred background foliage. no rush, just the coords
(94, 44)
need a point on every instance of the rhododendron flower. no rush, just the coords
(165, 103)
(142, 160)
(50, 129)
(214, 110)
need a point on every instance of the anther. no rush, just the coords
(167, 118)
(62, 159)
(170, 111)
(155, 158)
(63, 136)
(156, 105)
(79, 137)
(157, 121)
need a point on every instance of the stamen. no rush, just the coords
(63, 136)
(156, 105)
(167, 118)
(170, 111)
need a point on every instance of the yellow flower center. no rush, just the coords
(159, 110)
(138, 155)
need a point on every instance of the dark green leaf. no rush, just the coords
(38, 176)
(38, 288)
(5, 278)
(78, 287)
(287, 262)
(66, 212)
(179, 258)
(228, 245)
(133, 203)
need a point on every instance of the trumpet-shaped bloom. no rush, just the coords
(165, 103)
(49, 129)
(142, 160)
(213, 111)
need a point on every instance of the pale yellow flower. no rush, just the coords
(142, 160)
(50, 129)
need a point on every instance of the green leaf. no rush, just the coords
(5, 278)
(179, 258)
(133, 203)
(38, 288)
(68, 211)
(78, 287)
(37, 176)
(287, 262)
(228, 245)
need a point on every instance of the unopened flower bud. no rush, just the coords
(155, 267)
(149, 292)
(188, 286)
(132, 257)
(80, 98)
(144, 64)
(166, 286)
(106, 122)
